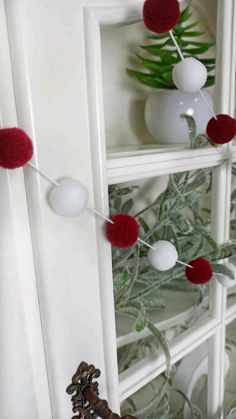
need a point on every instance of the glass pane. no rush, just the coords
(185, 397)
(176, 209)
(142, 105)
(230, 284)
(230, 376)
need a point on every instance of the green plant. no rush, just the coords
(176, 215)
(160, 56)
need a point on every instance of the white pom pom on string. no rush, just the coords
(224, 279)
(164, 256)
(69, 198)
(189, 75)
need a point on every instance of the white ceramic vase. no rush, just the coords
(163, 110)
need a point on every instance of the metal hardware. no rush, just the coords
(85, 400)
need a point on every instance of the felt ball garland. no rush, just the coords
(221, 130)
(189, 75)
(161, 16)
(70, 197)
(16, 148)
(163, 255)
(202, 272)
(123, 232)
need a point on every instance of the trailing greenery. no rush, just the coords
(158, 58)
(177, 215)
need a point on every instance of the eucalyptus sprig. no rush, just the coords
(176, 215)
(158, 58)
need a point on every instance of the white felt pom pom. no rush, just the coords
(189, 75)
(225, 280)
(164, 257)
(69, 198)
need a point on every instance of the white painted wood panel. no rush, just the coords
(56, 58)
(47, 52)
(24, 391)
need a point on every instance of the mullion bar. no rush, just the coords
(220, 212)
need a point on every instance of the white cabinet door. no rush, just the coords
(52, 316)
(57, 306)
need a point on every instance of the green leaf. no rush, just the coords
(196, 51)
(156, 66)
(163, 343)
(210, 68)
(210, 81)
(223, 251)
(233, 195)
(207, 236)
(121, 280)
(164, 36)
(192, 128)
(222, 269)
(210, 61)
(185, 14)
(143, 224)
(142, 320)
(181, 223)
(148, 79)
(163, 278)
(192, 25)
(154, 303)
(126, 207)
(157, 51)
(192, 34)
(189, 403)
(117, 204)
(198, 44)
(201, 141)
(231, 414)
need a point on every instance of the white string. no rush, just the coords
(146, 244)
(176, 45)
(56, 184)
(207, 104)
(185, 264)
(43, 174)
(100, 214)
(218, 273)
(91, 208)
(182, 58)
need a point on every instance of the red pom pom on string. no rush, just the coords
(124, 232)
(16, 148)
(221, 130)
(160, 16)
(201, 273)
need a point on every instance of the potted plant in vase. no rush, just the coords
(164, 107)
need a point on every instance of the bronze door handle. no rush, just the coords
(85, 400)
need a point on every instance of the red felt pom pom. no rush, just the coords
(124, 232)
(16, 148)
(221, 130)
(201, 273)
(160, 16)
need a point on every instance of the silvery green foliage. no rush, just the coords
(222, 269)
(232, 411)
(177, 215)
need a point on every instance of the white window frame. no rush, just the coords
(123, 167)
